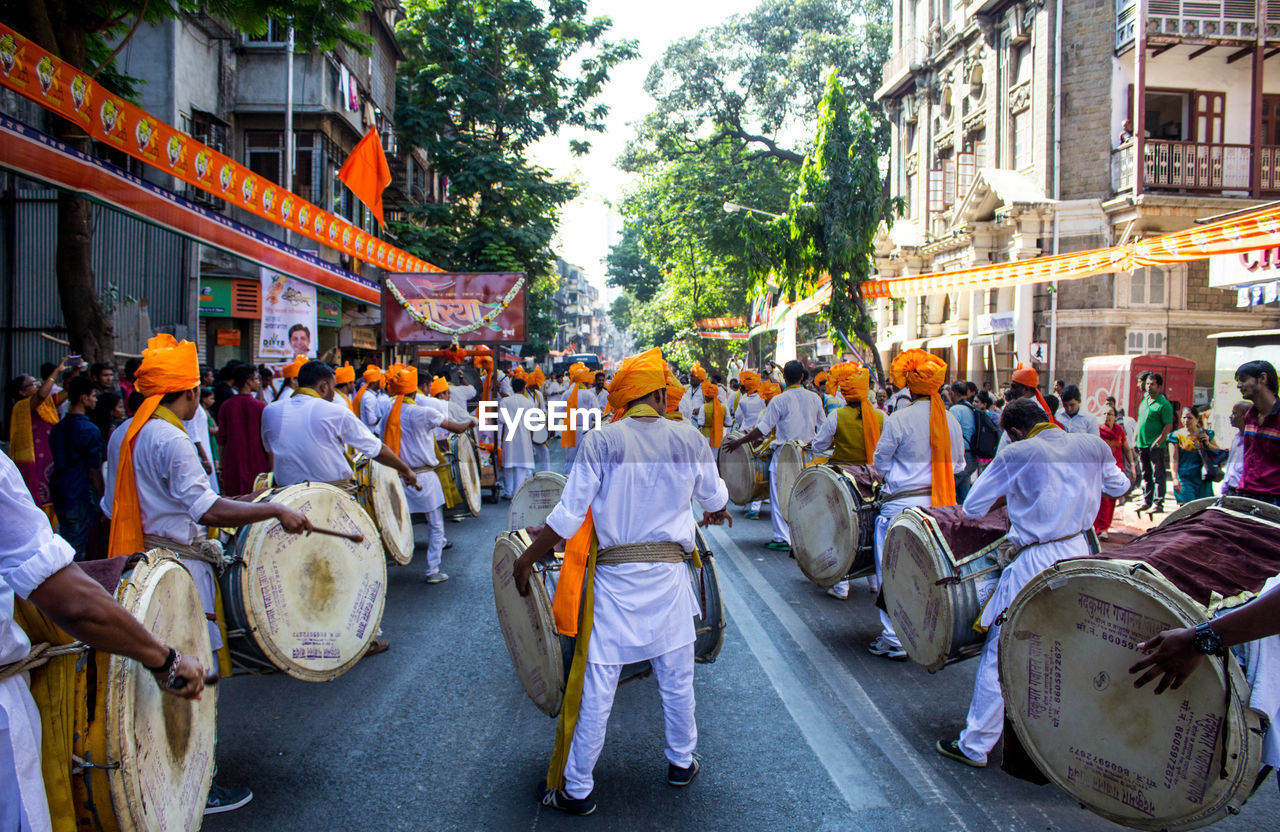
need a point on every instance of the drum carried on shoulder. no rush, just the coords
(466, 470)
(1178, 761)
(793, 459)
(833, 521)
(307, 605)
(117, 752)
(745, 470)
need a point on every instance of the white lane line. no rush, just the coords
(823, 736)
(879, 728)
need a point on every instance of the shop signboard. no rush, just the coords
(288, 317)
(486, 308)
(215, 297)
(328, 308)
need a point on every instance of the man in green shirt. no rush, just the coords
(1155, 420)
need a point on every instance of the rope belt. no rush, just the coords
(209, 551)
(39, 654)
(349, 487)
(1007, 551)
(663, 552)
(926, 491)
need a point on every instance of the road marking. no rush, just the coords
(823, 736)
(878, 727)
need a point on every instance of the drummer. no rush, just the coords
(534, 389)
(580, 398)
(1052, 482)
(710, 414)
(409, 433)
(36, 564)
(745, 416)
(1025, 384)
(157, 494)
(290, 381)
(365, 404)
(851, 431)
(643, 603)
(517, 441)
(690, 403)
(794, 415)
(920, 449)
(344, 384)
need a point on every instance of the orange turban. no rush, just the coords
(536, 378)
(291, 370)
(438, 386)
(1028, 377)
(711, 396)
(484, 363)
(923, 373)
(675, 392)
(578, 374)
(749, 380)
(402, 382)
(518, 372)
(346, 374)
(768, 390)
(820, 379)
(582, 374)
(168, 366)
(697, 372)
(372, 375)
(638, 376)
(855, 385)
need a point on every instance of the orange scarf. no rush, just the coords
(22, 440)
(402, 382)
(391, 436)
(711, 396)
(923, 373)
(355, 403)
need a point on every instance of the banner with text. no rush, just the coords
(288, 317)
(468, 308)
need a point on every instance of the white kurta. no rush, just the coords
(29, 554)
(198, 429)
(637, 478)
(517, 441)
(748, 412)
(902, 453)
(691, 400)
(370, 412)
(308, 437)
(1082, 422)
(418, 450)
(795, 413)
(1261, 661)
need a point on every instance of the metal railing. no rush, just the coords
(1226, 19)
(1195, 166)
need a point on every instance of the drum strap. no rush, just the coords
(348, 487)
(209, 551)
(38, 655)
(662, 552)
(926, 491)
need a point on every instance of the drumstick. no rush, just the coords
(211, 677)
(354, 537)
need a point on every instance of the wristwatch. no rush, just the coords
(1208, 642)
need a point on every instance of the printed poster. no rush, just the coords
(288, 317)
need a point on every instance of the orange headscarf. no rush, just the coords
(402, 382)
(749, 380)
(923, 373)
(637, 377)
(536, 378)
(370, 375)
(346, 374)
(711, 395)
(769, 389)
(820, 379)
(291, 370)
(1028, 377)
(168, 366)
(579, 375)
(697, 372)
(854, 381)
(518, 372)
(484, 364)
(438, 386)
(675, 392)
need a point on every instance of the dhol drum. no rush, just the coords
(148, 757)
(542, 657)
(745, 471)
(793, 458)
(833, 510)
(308, 605)
(534, 500)
(264, 481)
(1244, 505)
(381, 493)
(488, 466)
(466, 470)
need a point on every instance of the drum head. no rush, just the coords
(163, 744)
(528, 628)
(468, 472)
(534, 500)
(391, 512)
(913, 562)
(1141, 760)
(1244, 505)
(314, 601)
(709, 628)
(788, 468)
(738, 470)
(824, 533)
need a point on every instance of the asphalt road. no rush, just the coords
(800, 728)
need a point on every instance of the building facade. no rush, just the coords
(1014, 135)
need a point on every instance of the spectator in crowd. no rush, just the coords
(1055, 404)
(982, 401)
(1072, 418)
(244, 456)
(1155, 422)
(1234, 469)
(266, 391)
(1058, 387)
(1113, 433)
(127, 378)
(108, 414)
(962, 409)
(882, 398)
(1260, 479)
(32, 415)
(1185, 444)
(75, 481)
(104, 377)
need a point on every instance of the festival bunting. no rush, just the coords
(724, 336)
(722, 323)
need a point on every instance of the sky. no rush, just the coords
(589, 224)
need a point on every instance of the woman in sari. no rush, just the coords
(1113, 434)
(34, 413)
(1185, 460)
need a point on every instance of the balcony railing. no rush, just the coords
(911, 52)
(1226, 19)
(1195, 166)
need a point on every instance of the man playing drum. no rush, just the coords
(745, 416)
(289, 372)
(919, 451)
(795, 415)
(579, 398)
(344, 384)
(157, 494)
(517, 442)
(851, 431)
(365, 404)
(1052, 482)
(710, 414)
(631, 550)
(36, 564)
(1025, 384)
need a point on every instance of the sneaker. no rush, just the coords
(885, 650)
(559, 799)
(778, 545)
(225, 799)
(448, 545)
(677, 776)
(1144, 508)
(951, 750)
(436, 578)
(835, 593)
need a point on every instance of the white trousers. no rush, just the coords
(513, 478)
(569, 453)
(985, 722)
(780, 529)
(755, 506)
(435, 538)
(674, 672)
(888, 511)
(542, 456)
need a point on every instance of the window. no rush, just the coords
(1144, 342)
(1021, 134)
(909, 196)
(264, 153)
(1020, 64)
(1147, 287)
(276, 32)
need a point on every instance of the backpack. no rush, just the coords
(986, 435)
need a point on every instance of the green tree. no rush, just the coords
(483, 82)
(627, 267)
(88, 34)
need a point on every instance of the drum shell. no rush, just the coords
(534, 500)
(1141, 760)
(467, 471)
(745, 471)
(822, 556)
(792, 458)
(396, 530)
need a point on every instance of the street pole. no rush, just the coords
(288, 118)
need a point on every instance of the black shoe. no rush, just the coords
(951, 749)
(559, 799)
(1144, 508)
(225, 799)
(677, 776)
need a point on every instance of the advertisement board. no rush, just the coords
(288, 317)
(468, 308)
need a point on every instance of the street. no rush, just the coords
(799, 726)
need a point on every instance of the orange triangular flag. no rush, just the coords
(366, 173)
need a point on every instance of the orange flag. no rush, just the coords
(366, 173)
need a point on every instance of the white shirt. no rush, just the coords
(517, 441)
(898, 400)
(795, 413)
(418, 450)
(748, 411)
(903, 455)
(198, 429)
(638, 478)
(30, 553)
(1234, 469)
(691, 400)
(370, 413)
(459, 395)
(504, 385)
(285, 393)
(308, 436)
(1082, 422)
(827, 431)
(173, 491)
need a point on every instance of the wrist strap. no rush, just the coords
(168, 662)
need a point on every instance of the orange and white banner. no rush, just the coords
(34, 73)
